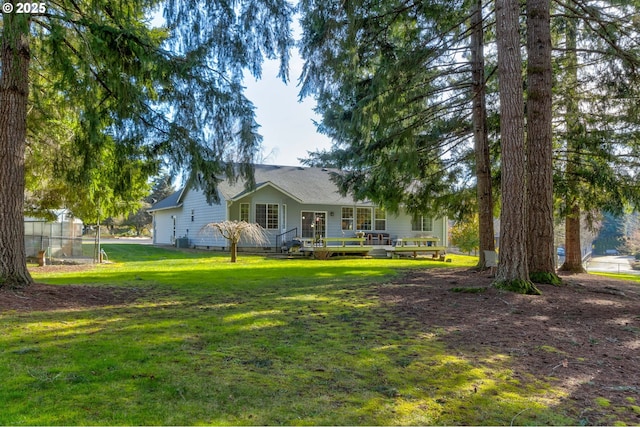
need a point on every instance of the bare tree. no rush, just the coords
(236, 231)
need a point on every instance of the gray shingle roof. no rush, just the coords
(173, 201)
(306, 185)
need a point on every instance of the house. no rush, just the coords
(288, 202)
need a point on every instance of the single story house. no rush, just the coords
(288, 202)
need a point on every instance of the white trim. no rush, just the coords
(244, 194)
(248, 211)
(352, 219)
(284, 217)
(375, 218)
(164, 209)
(371, 224)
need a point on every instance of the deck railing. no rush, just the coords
(285, 237)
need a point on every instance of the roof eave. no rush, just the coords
(165, 208)
(264, 185)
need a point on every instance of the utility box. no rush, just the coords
(182, 243)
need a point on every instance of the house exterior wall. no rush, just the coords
(402, 227)
(289, 218)
(288, 209)
(163, 225)
(397, 226)
(196, 213)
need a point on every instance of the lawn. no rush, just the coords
(260, 342)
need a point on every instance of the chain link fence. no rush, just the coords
(54, 240)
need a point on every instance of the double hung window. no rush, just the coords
(421, 223)
(267, 215)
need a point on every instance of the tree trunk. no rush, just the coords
(539, 144)
(513, 272)
(481, 140)
(14, 90)
(234, 250)
(573, 253)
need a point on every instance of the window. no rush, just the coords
(244, 212)
(347, 218)
(363, 219)
(381, 219)
(421, 223)
(267, 215)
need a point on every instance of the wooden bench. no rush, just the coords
(339, 245)
(415, 245)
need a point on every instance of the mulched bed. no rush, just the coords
(583, 337)
(41, 297)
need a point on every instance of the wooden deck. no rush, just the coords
(408, 246)
(337, 245)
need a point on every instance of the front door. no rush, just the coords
(314, 224)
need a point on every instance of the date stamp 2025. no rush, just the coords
(28, 8)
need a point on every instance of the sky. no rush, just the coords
(286, 125)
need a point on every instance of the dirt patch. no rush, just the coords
(41, 297)
(583, 337)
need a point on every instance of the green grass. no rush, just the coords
(263, 341)
(620, 276)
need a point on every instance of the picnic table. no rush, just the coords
(417, 245)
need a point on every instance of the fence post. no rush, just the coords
(41, 258)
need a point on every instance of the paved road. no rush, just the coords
(611, 264)
(124, 240)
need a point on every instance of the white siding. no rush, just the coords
(397, 226)
(203, 213)
(400, 226)
(188, 225)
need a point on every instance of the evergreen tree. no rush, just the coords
(484, 189)
(598, 131)
(540, 245)
(396, 100)
(171, 93)
(513, 271)
(14, 91)
(611, 234)
(141, 219)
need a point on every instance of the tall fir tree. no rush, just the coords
(539, 143)
(484, 187)
(598, 131)
(513, 269)
(172, 93)
(393, 83)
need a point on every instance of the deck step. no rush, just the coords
(378, 253)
